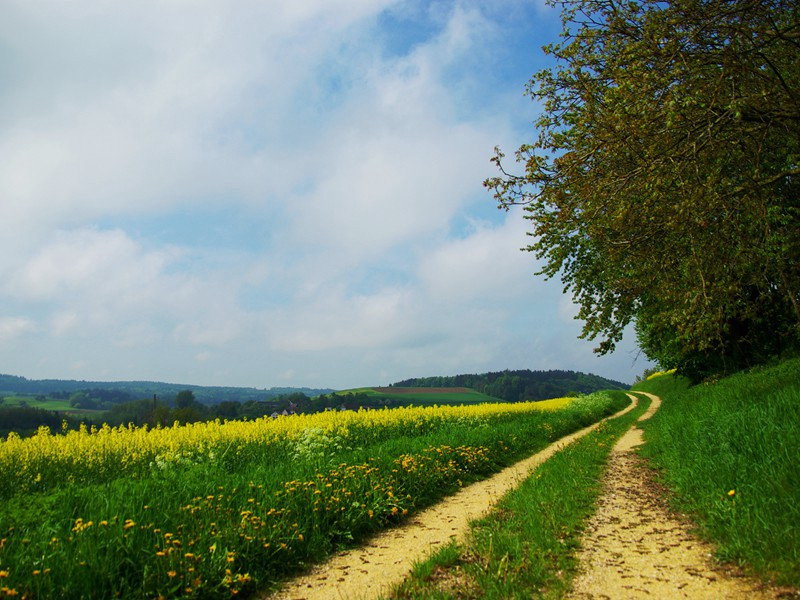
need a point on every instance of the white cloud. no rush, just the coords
(96, 281)
(354, 162)
(13, 327)
(486, 265)
(89, 262)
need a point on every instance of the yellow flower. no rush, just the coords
(171, 574)
(732, 493)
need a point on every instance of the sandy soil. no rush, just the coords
(635, 547)
(386, 559)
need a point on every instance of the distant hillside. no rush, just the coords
(518, 386)
(11, 384)
(377, 397)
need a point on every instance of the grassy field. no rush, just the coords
(216, 509)
(731, 453)
(423, 396)
(45, 404)
(51, 404)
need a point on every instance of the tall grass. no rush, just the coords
(731, 452)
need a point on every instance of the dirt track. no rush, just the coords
(635, 547)
(388, 557)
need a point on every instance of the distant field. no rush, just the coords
(424, 395)
(46, 404)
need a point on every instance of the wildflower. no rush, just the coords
(732, 493)
(171, 574)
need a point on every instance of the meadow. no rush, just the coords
(36, 402)
(730, 452)
(219, 509)
(421, 396)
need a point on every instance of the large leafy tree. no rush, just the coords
(663, 185)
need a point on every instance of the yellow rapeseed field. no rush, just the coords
(100, 454)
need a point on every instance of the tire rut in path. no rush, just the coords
(386, 558)
(635, 547)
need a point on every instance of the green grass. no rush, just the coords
(423, 398)
(209, 529)
(525, 548)
(46, 404)
(730, 451)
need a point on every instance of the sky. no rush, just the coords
(262, 193)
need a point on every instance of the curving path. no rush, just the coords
(385, 560)
(635, 547)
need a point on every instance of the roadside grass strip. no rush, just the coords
(526, 547)
(730, 452)
(221, 510)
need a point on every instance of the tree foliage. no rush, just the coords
(521, 385)
(663, 185)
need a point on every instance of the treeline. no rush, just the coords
(186, 409)
(183, 408)
(123, 391)
(25, 420)
(519, 386)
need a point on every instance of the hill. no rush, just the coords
(128, 390)
(519, 386)
(404, 396)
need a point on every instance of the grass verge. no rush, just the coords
(730, 452)
(525, 548)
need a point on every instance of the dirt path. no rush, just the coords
(635, 547)
(386, 559)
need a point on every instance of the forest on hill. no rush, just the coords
(521, 385)
(123, 391)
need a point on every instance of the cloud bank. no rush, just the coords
(263, 194)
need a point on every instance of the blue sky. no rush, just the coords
(271, 193)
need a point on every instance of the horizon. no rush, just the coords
(221, 385)
(273, 195)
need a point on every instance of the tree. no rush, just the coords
(663, 185)
(185, 399)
